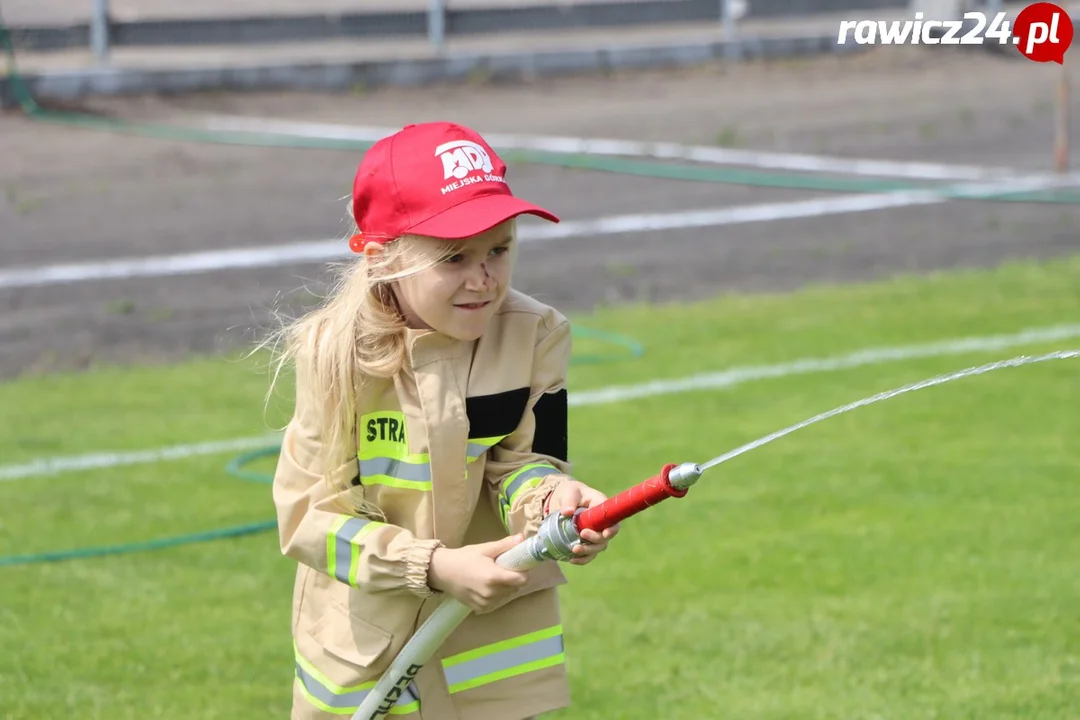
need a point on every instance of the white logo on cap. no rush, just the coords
(461, 157)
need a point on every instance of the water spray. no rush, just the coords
(558, 534)
(1013, 362)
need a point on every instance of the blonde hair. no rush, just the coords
(357, 331)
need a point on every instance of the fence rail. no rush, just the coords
(437, 22)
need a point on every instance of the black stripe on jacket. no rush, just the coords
(550, 437)
(501, 413)
(495, 415)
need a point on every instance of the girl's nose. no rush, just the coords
(480, 278)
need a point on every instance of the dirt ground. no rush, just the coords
(71, 195)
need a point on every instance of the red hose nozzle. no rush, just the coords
(673, 481)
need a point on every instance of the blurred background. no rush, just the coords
(741, 194)
(160, 129)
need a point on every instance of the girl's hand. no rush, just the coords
(471, 575)
(568, 496)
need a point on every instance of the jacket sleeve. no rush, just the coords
(322, 527)
(525, 466)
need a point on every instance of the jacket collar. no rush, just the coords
(427, 346)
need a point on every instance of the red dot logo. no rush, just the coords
(1043, 32)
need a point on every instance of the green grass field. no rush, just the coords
(915, 559)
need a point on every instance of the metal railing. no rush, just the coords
(727, 13)
(438, 20)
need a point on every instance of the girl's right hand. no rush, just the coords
(471, 575)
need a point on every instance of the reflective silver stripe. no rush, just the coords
(392, 467)
(524, 477)
(348, 700)
(343, 547)
(502, 663)
(478, 446)
(475, 450)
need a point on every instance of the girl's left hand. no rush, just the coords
(568, 496)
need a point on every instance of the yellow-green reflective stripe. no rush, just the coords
(478, 446)
(528, 476)
(504, 659)
(384, 456)
(343, 543)
(411, 473)
(330, 697)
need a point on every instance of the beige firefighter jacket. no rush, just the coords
(461, 447)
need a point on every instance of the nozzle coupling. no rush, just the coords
(556, 538)
(683, 476)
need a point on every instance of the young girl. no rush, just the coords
(429, 436)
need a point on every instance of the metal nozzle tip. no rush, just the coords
(685, 475)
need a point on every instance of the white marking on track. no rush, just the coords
(326, 250)
(634, 149)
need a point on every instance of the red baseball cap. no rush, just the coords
(437, 179)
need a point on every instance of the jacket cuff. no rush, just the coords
(417, 562)
(534, 509)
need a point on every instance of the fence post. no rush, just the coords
(1061, 124)
(99, 31)
(730, 11)
(436, 24)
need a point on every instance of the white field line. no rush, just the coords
(74, 463)
(602, 396)
(871, 356)
(325, 250)
(633, 149)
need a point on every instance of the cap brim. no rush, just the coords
(477, 215)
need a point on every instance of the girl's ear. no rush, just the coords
(370, 248)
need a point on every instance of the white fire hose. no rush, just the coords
(555, 540)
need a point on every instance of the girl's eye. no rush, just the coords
(455, 258)
(499, 250)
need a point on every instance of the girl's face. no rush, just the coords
(459, 296)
